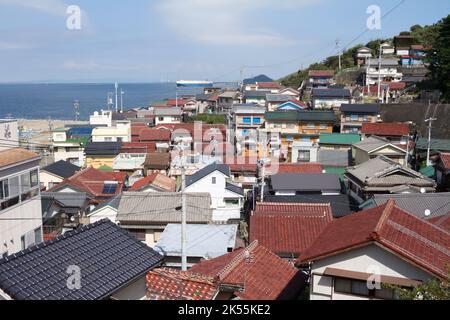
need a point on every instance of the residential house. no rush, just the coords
(55, 173)
(247, 120)
(429, 206)
(154, 182)
(403, 44)
(157, 162)
(341, 205)
(295, 94)
(374, 147)
(362, 55)
(443, 171)
(384, 176)
(263, 274)
(104, 118)
(389, 247)
(69, 143)
(304, 152)
(319, 79)
(167, 115)
(244, 171)
(99, 185)
(100, 154)
(146, 214)
(119, 133)
(388, 70)
(228, 98)
(330, 98)
(20, 203)
(353, 116)
(396, 133)
(227, 198)
(292, 168)
(335, 151)
(436, 147)
(284, 184)
(288, 229)
(288, 127)
(106, 210)
(255, 96)
(61, 210)
(387, 49)
(159, 136)
(9, 133)
(273, 101)
(204, 241)
(116, 264)
(273, 87)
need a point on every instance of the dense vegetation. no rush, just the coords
(436, 36)
(209, 118)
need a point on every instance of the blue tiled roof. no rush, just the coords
(108, 257)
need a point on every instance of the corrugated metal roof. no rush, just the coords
(306, 182)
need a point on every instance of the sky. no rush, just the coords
(169, 40)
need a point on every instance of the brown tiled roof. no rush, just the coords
(442, 222)
(157, 161)
(138, 147)
(445, 158)
(259, 273)
(155, 135)
(288, 228)
(170, 284)
(402, 233)
(321, 73)
(269, 85)
(386, 129)
(294, 168)
(16, 155)
(157, 180)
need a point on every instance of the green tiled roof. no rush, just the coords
(105, 168)
(339, 138)
(428, 172)
(83, 140)
(436, 144)
(289, 116)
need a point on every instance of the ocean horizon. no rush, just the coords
(56, 100)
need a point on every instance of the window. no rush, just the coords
(323, 126)
(25, 182)
(354, 117)
(34, 178)
(14, 188)
(22, 242)
(348, 286)
(232, 202)
(108, 139)
(214, 180)
(161, 119)
(311, 126)
(289, 138)
(37, 236)
(257, 120)
(304, 156)
(247, 120)
(138, 234)
(2, 189)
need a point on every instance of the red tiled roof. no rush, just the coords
(259, 273)
(386, 129)
(170, 284)
(92, 181)
(155, 135)
(445, 158)
(207, 130)
(321, 73)
(138, 147)
(243, 164)
(409, 237)
(288, 228)
(417, 47)
(442, 222)
(294, 168)
(268, 85)
(157, 180)
(393, 86)
(173, 102)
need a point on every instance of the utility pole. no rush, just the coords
(338, 47)
(116, 86)
(263, 179)
(379, 73)
(430, 126)
(121, 100)
(368, 78)
(183, 218)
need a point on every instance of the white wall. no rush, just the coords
(104, 213)
(48, 180)
(361, 260)
(135, 291)
(9, 133)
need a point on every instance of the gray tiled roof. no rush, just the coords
(383, 172)
(161, 208)
(278, 98)
(417, 204)
(361, 108)
(67, 199)
(331, 93)
(108, 256)
(372, 143)
(207, 171)
(306, 182)
(63, 169)
(167, 111)
(234, 188)
(256, 93)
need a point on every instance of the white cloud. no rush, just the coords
(225, 22)
(55, 7)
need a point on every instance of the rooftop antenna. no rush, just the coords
(110, 101)
(121, 100)
(338, 47)
(76, 106)
(116, 87)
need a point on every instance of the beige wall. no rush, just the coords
(135, 291)
(48, 180)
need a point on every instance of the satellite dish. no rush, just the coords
(427, 213)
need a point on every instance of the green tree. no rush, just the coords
(431, 290)
(440, 60)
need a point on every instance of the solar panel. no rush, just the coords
(109, 188)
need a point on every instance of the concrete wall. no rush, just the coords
(48, 180)
(9, 133)
(134, 291)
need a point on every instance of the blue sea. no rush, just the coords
(41, 101)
